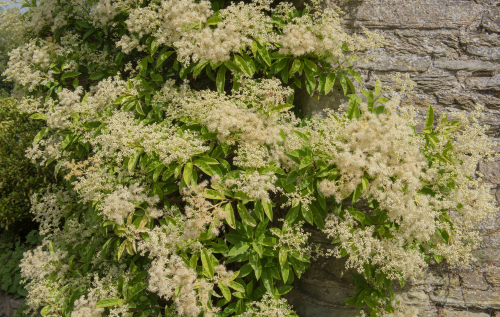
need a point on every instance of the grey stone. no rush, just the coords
(491, 20)
(470, 65)
(16, 303)
(491, 172)
(467, 100)
(484, 83)
(474, 280)
(413, 14)
(399, 63)
(435, 79)
(455, 313)
(492, 276)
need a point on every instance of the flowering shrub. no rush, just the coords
(188, 179)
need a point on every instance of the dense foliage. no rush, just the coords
(19, 178)
(187, 177)
(12, 249)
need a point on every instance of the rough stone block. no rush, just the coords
(455, 313)
(484, 83)
(470, 65)
(491, 172)
(400, 63)
(414, 14)
(492, 276)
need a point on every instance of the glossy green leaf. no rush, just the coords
(40, 135)
(378, 87)
(256, 264)
(262, 50)
(221, 79)
(268, 209)
(245, 216)
(310, 65)
(133, 160)
(208, 268)
(239, 249)
(111, 302)
(225, 291)
(429, 120)
(242, 64)
(228, 208)
(307, 213)
(188, 170)
(330, 81)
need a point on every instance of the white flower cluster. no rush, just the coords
(383, 153)
(255, 186)
(200, 212)
(123, 201)
(168, 274)
(49, 207)
(86, 308)
(28, 64)
(269, 306)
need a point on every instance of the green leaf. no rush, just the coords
(45, 310)
(295, 67)
(236, 286)
(245, 216)
(221, 79)
(208, 268)
(213, 20)
(264, 54)
(69, 75)
(40, 135)
(256, 265)
(281, 64)
(242, 65)
(143, 66)
(355, 75)
(292, 214)
(202, 165)
(310, 79)
(322, 82)
(212, 194)
(307, 213)
(330, 81)
(138, 108)
(429, 120)
(228, 208)
(343, 82)
(239, 249)
(38, 116)
(232, 66)
(370, 302)
(133, 160)
(358, 215)
(225, 291)
(438, 258)
(268, 209)
(306, 161)
(188, 171)
(157, 172)
(163, 57)
(259, 211)
(267, 279)
(283, 257)
(110, 302)
(378, 87)
(310, 65)
(353, 109)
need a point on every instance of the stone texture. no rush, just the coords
(454, 313)
(451, 49)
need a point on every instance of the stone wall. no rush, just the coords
(451, 49)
